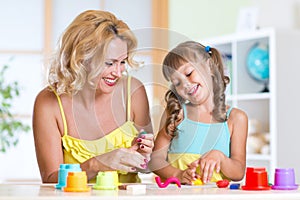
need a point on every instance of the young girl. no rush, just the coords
(200, 137)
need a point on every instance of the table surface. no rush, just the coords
(47, 191)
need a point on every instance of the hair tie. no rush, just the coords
(207, 49)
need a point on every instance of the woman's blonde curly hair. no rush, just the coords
(82, 49)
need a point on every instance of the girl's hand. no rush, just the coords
(188, 175)
(209, 162)
(122, 159)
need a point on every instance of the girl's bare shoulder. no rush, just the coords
(238, 115)
(238, 118)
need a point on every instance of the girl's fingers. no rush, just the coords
(211, 171)
(187, 177)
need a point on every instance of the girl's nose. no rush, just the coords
(186, 83)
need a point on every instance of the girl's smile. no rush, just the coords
(193, 90)
(191, 83)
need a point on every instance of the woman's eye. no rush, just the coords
(109, 63)
(123, 62)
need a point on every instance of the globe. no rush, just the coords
(258, 64)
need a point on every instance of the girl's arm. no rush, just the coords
(158, 163)
(234, 166)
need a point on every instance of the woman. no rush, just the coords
(91, 113)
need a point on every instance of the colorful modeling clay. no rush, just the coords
(141, 134)
(222, 183)
(197, 182)
(167, 182)
(235, 186)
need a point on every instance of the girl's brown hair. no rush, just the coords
(197, 54)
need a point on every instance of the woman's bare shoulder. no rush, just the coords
(136, 84)
(45, 98)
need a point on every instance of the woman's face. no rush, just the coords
(114, 65)
(192, 83)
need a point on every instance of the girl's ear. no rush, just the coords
(209, 66)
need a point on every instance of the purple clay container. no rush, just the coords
(284, 179)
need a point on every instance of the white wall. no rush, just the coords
(22, 29)
(205, 19)
(283, 14)
(22, 24)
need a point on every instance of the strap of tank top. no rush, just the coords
(228, 112)
(62, 113)
(184, 110)
(128, 97)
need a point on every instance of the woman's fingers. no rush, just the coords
(125, 159)
(146, 142)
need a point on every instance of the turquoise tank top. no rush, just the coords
(195, 139)
(198, 138)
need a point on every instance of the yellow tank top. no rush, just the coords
(78, 151)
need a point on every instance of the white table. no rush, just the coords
(35, 191)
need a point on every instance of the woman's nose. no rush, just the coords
(117, 71)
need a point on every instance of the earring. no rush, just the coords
(186, 101)
(125, 72)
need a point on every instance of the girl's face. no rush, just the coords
(192, 83)
(114, 65)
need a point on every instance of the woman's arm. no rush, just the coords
(48, 145)
(140, 111)
(47, 136)
(141, 118)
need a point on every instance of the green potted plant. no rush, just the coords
(10, 126)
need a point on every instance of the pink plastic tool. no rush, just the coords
(167, 182)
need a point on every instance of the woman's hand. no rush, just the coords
(209, 162)
(122, 159)
(144, 144)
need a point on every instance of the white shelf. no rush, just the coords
(250, 96)
(278, 110)
(259, 157)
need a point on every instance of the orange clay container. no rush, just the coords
(77, 182)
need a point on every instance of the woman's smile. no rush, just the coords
(110, 81)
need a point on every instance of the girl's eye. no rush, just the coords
(176, 84)
(123, 62)
(189, 74)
